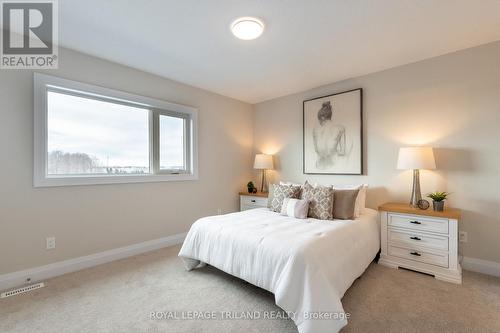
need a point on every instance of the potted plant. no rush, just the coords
(250, 187)
(438, 199)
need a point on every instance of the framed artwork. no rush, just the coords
(333, 134)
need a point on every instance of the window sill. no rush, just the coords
(101, 180)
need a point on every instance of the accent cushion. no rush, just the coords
(320, 201)
(277, 193)
(295, 208)
(344, 204)
(290, 183)
(360, 201)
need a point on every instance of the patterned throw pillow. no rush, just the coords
(320, 201)
(278, 193)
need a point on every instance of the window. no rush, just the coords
(86, 134)
(172, 143)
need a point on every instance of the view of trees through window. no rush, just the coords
(61, 163)
(90, 136)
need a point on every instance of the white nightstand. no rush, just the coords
(421, 240)
(253, 200)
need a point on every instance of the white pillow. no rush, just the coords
(290, 183)
(295, 208)
(360, 200)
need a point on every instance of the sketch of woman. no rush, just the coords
(329, 138)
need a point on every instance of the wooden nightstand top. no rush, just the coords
(448, 213)
(258, 194)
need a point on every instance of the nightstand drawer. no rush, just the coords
(250, 202)
(415, 239)
(435, 258)
(419, 223)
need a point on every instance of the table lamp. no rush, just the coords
(416, 158)
(263, 162)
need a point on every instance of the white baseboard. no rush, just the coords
(18, 278)
(481, 266)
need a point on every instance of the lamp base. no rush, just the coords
(263, 185)
(416, 194)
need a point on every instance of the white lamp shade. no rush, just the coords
(263, 161)
(416, 158)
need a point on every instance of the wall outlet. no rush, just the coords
(219, 211)
(51, 243)
(462, 236)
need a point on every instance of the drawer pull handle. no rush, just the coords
(252, 200)
(415, 254)
(415, 238)
(415, 222)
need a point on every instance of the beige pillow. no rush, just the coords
(360, 201)
(320, 201)
(277, 193)
(344, 204)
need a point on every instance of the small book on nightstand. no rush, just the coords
(422, 240)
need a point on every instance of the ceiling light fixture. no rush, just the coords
(247, 28)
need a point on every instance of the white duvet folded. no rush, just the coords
(307, 264)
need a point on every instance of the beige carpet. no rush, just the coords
(119, 297)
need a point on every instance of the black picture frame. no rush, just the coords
(361, 141)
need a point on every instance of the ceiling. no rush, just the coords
(305, 44)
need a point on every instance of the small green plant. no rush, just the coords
(438, 196)
(251, 187)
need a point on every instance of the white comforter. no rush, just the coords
(307, 264)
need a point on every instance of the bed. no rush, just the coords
(307, 264)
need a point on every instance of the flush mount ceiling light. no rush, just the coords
(247, 28)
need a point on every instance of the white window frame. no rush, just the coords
(44, 83)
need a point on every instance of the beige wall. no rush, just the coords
(90, 219)
(450, 102)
